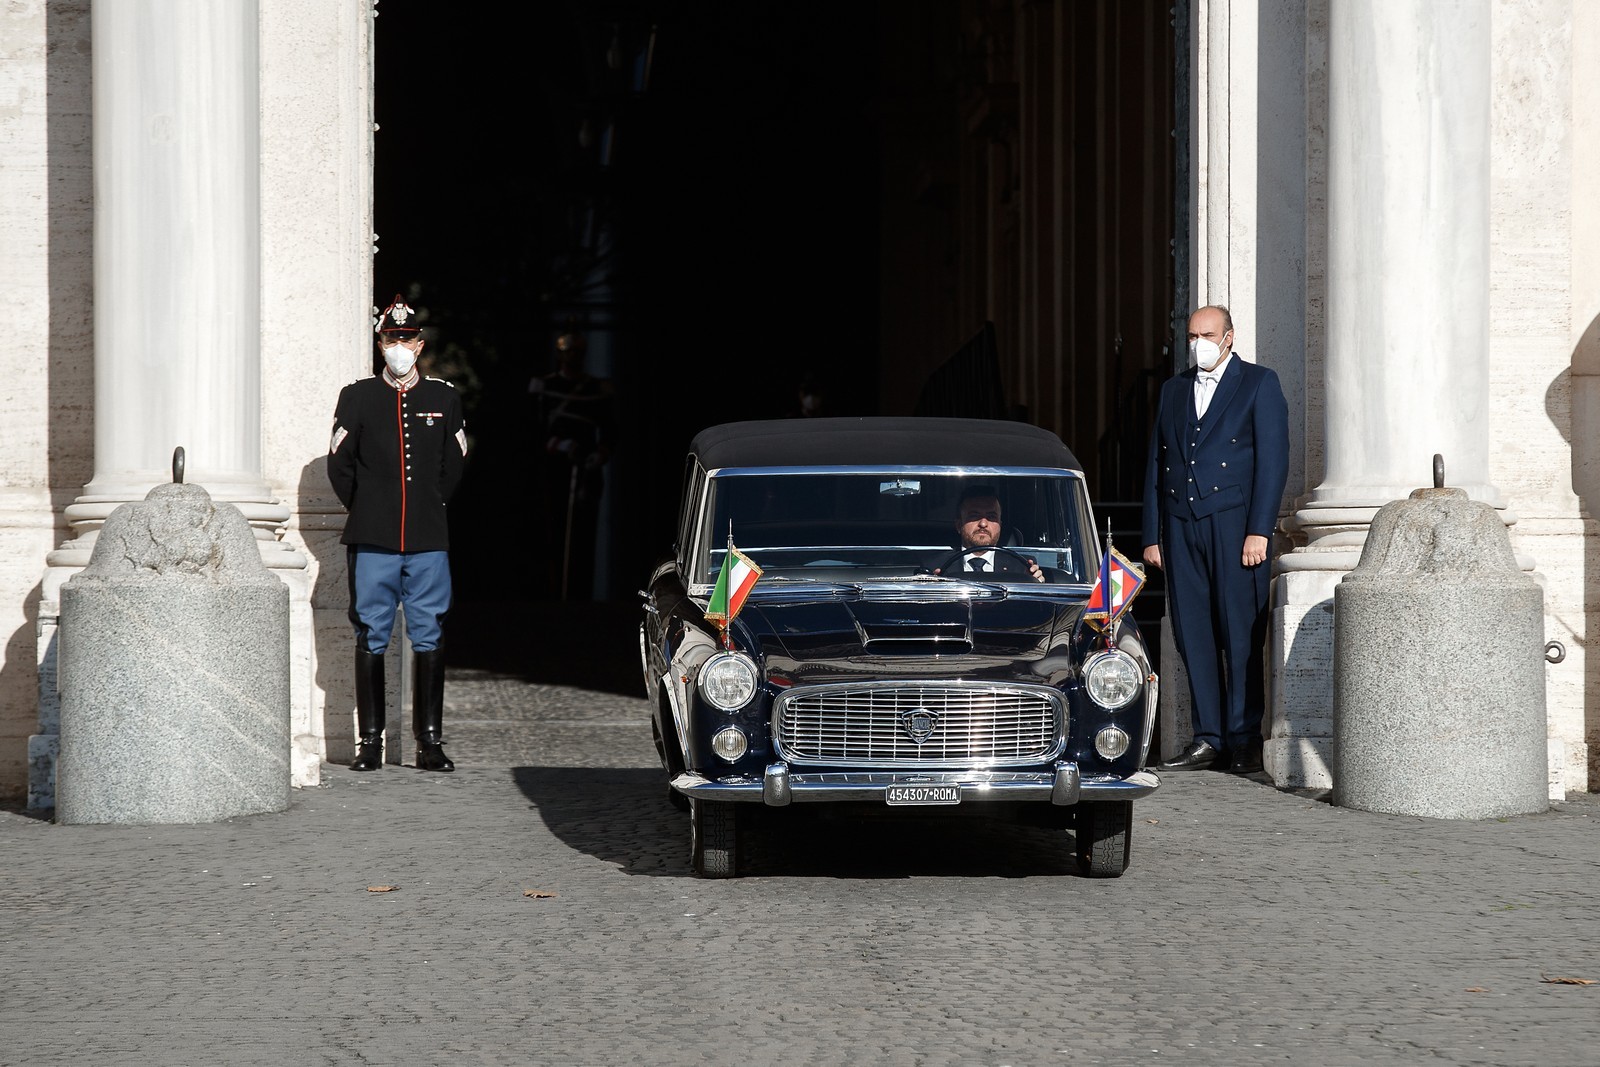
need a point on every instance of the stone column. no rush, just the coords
(1407, 320)
(177, 272)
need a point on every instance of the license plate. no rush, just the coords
(898, 795)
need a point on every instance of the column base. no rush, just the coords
(1300, 707)
(1567, 547)
(1173, 713)
(44, 747)
(1299, 762)
(43, 751)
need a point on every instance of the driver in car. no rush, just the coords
(978, 524)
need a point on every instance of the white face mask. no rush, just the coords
(399, 359)
(1204, 354)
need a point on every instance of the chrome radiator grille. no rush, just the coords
(879, 724)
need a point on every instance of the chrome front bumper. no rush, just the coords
(779, 787)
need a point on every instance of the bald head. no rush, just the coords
(1213, 324)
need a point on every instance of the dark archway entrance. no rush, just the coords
(734, 203)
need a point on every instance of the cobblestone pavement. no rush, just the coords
(1254, 927)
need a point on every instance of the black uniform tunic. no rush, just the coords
(395, 460)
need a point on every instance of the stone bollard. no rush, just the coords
(173, 667)
(1438, 706)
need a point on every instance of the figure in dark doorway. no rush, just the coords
(572, 415)
(811, 398)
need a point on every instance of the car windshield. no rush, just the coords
(860, 526)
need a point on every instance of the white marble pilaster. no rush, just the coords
(1584, 343)
(1542, 297)
(1250, 146)
(1406, 371)
(317, 294)
(46, 281)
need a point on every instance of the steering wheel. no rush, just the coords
(944, 564)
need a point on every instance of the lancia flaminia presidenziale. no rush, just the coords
(868, 663)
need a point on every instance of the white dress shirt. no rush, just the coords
(1205, 385)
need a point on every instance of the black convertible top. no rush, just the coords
(874, 441)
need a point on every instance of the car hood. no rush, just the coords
(849, 634)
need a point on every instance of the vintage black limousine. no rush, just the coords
(869, 663)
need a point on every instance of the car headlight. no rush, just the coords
(730, 743)
(728, 681)
(1111, 742)
(1112, 678)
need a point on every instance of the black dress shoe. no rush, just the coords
(1246, 760)
(1197, 757)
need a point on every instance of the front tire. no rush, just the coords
(714, 838)
(1104, 838)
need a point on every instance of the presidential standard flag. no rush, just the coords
(734, 581)
(1119, 582)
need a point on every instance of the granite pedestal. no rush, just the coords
(173, 669)
(1439, 667)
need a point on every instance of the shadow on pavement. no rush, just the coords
(586, 644)
(622, 816)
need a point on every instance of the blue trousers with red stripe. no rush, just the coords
(381, 580)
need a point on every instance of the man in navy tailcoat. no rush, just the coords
(1219, 458)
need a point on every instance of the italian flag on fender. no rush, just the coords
(734, 582)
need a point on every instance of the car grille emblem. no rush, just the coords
(919, 723)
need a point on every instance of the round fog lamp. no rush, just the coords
(728, 681)
(729, 743)
(1112, 678)
(1111, 742)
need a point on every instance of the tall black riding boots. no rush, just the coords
(369, 710)
(427, 710)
